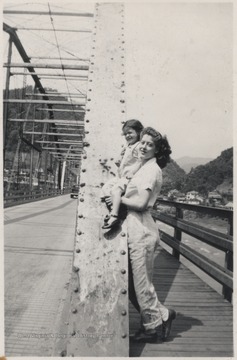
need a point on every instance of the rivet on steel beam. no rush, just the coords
(124, 291)
(63, 353)
(122, 101)
(74, 311)
(75, 268)
(87, 120)
(101, 184)
(112, 159)
(123, 111)
(90, 80)
(81, 199)
(73, 333)
(85, 143)
(123, 271)
(87, 132)
(85, 157)
(124, 336)
(122, 252)
(90, 90)
(79, 233)
(123, 234)
(124, 312)
(88, 99)
(83, 170)
(88, 109)
(75, 289)
(78, 251)
(82, 184)
(80, 216)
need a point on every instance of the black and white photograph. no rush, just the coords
(117, 179)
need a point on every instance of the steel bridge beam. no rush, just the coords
(98, 293)
(46, 66)
(78, 123)
(58, 13)
(15, 39)
(42, 101)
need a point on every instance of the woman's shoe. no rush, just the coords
(166, 326)
(112, 223)
(143, 335)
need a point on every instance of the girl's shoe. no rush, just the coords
(112, 223)
(106, 218)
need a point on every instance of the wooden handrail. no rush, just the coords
(223, 242)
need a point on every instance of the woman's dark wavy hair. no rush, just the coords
(163, 149)
(134, 124)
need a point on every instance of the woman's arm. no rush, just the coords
(138, 202)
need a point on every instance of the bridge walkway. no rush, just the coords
(203, 327)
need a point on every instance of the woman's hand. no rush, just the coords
(108, 200)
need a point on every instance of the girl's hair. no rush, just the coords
(163, 149)
(134, 124)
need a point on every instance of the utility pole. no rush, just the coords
(5, 108)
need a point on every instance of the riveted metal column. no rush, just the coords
(98, 319)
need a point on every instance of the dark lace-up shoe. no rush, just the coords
(166, 326)
(149, 336)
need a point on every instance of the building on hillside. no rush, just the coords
(192, 195)
(214, 198)
(229, 206)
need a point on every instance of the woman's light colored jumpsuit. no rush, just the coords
(143, 238)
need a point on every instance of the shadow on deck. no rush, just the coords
(204, 323)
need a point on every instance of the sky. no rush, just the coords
(179, 66)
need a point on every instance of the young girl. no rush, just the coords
(112, 191)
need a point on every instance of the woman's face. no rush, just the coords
(130, 135)
(147, 147)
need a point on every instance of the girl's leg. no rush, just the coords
(116, 199)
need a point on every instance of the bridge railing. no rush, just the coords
(17, 197)
(218, 240)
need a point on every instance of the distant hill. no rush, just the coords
(173, 177)
(216, 174)
(188, 162)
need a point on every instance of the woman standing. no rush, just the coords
(143, 237)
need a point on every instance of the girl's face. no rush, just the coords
(147, 147)
(131, 135)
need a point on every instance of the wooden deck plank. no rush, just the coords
(204, 323)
